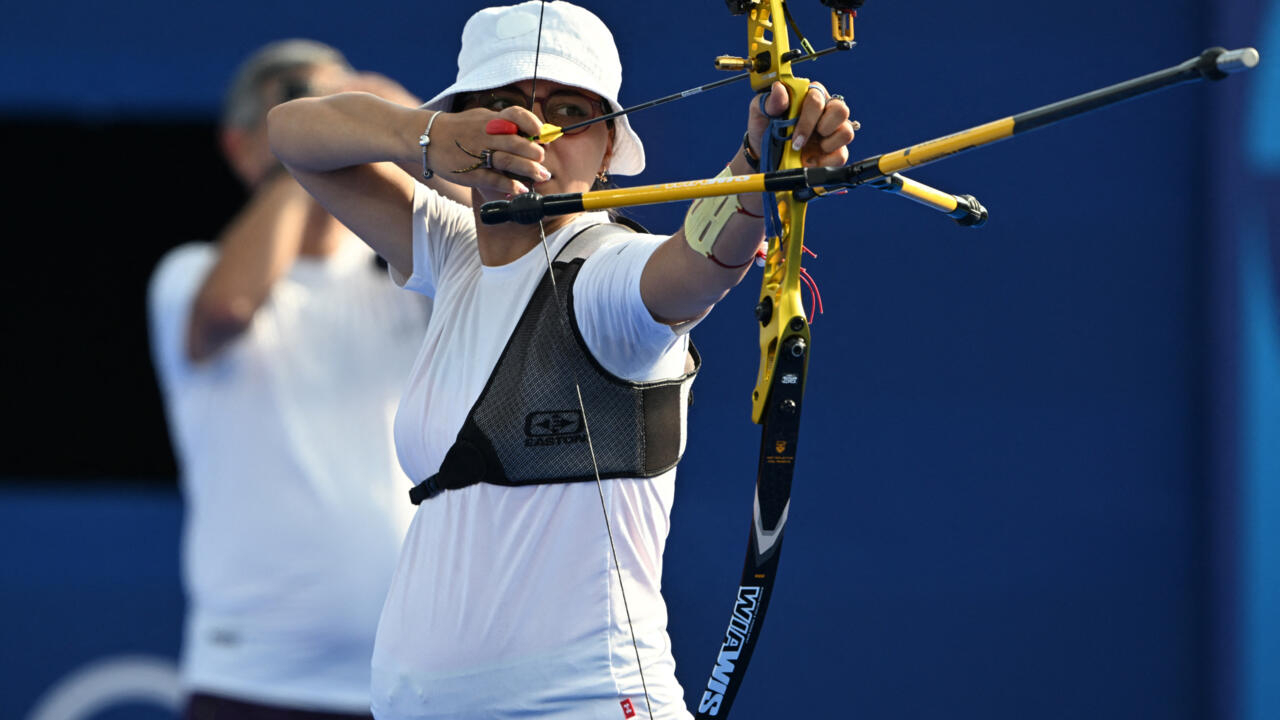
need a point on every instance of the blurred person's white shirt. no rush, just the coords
(295, 505)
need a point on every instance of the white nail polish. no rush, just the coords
(798, 142)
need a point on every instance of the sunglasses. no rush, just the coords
(562, 107)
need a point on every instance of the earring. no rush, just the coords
(603, 177)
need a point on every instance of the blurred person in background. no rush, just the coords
(281, 351)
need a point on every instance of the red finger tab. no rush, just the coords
(499, 126)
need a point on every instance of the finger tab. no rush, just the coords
(499, 126)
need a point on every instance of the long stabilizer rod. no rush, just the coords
(1213, 64)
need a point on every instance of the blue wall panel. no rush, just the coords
(90, 574)
(1247, 366)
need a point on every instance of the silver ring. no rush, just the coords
(839, 97)
(819, 88)
(483, 160)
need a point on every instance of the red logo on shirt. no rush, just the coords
(628, 710)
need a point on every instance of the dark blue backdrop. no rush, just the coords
(1246, 360)
(1001, 499)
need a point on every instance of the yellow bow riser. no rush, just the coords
(781, 306)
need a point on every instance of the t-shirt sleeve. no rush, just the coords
(440, 226)
(170, 295)
(615, 323)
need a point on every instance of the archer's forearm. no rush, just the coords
(326, 134)
(681, 284)
(330, 133)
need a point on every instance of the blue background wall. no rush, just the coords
(1019, 489)
(1245, 510)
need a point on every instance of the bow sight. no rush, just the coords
(842, 14)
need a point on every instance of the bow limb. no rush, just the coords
(784, 358)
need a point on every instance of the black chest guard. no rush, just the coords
(526, 427)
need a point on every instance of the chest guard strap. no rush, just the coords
(526, 427)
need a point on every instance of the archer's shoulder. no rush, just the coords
(622, 237)
(616, 264)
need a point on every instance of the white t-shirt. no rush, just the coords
(295, 508)
(506, 602)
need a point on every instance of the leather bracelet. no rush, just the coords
(423, 141)
(752, 159)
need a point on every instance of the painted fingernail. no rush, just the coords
(520, 188)
(543, 174)
(798, 142)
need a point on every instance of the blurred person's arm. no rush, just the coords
(263, 240)
(256, 248)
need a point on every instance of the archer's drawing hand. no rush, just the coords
(515, 162)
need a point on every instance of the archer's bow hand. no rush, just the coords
(822, 131)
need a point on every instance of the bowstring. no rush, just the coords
(582, 408)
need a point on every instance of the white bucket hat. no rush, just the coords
(499, 45)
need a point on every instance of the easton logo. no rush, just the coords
(740, 627)
(559, 427)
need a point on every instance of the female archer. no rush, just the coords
(553, 378)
